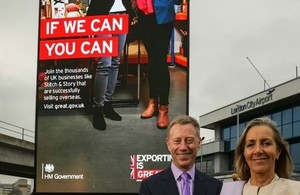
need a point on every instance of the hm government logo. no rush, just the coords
(49, 174)
(49, 168)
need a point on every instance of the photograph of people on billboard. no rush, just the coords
(111, 74)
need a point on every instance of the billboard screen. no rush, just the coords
(75, 153)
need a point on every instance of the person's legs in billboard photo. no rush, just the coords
(104, 86)
(108, 67)
(156, 38)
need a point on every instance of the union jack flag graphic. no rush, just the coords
(132, 166)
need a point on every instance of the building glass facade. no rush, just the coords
(288, 122)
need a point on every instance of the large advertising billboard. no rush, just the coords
(77, 150)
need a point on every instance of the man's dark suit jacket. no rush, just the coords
(163, 183)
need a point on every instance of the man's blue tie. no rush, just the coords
(186, 185)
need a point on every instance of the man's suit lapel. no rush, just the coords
(199, 184)
(169, 183)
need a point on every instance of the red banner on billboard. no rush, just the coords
(83, 26)
(78, 48)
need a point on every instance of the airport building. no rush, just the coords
(280, 103)
(19, 187)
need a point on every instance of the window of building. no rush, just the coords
(296, 113)
(231, 161)
(226, 133)
(296, 128)
(233, 131)
(287, 131)
(210, 166)
(276, 117)
(203, 166)
(233, 143)
(207, 166)
(198, 165)
(226, 145)
(287, 116)
(230, 135)
(295, 151)
(242, 126)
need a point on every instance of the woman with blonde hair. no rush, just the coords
(263, 161)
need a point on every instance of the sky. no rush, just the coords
(223, 36)
(18, 63)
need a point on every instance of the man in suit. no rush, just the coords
(183, 142)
